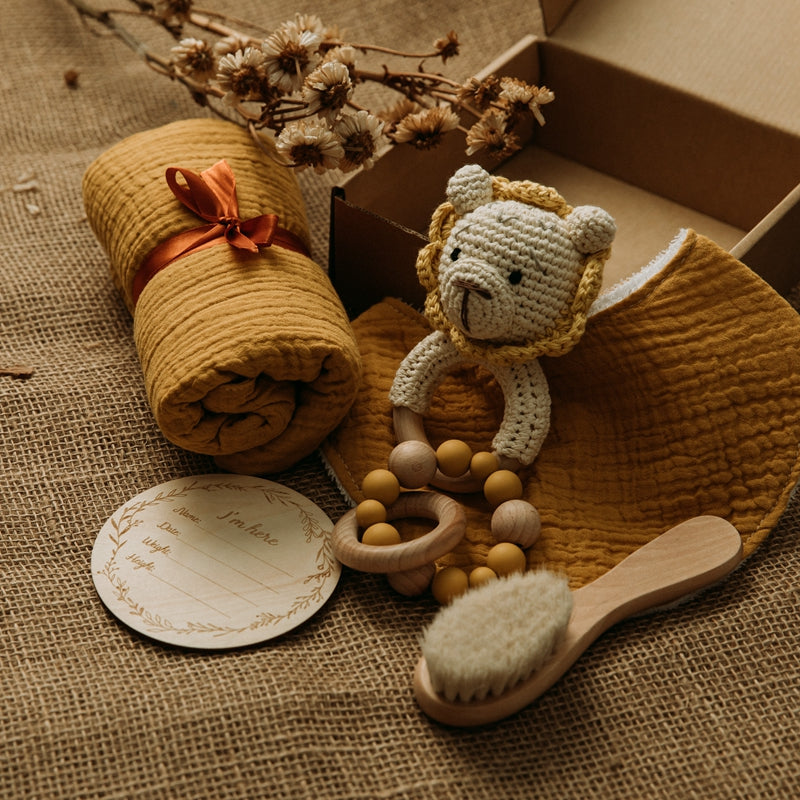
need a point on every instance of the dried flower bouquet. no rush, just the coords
(297, 84)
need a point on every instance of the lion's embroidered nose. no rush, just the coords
(470, 288)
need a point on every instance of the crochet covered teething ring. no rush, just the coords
(409, 426)
(408, 555)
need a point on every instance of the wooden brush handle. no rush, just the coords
(684, 559)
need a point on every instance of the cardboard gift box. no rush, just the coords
(668, 114)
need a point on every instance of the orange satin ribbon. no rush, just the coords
(211, 195)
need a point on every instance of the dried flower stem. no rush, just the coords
(295, 84)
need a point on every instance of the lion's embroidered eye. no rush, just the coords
(456, 252)
(515, 277)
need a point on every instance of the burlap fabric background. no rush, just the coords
(697, 703)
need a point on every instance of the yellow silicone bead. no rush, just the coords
(483, 464)
(381, 485)
(369, 512)
(501, 486)
(481, 575)
(453, 457)
(380, 534)
(449, 583)
(505, 558)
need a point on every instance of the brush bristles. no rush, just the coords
(496, 635)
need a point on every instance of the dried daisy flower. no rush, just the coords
(490, 133)
(289, 55)
(399, 111)
(310, 143)
(310, 23)
(425, 129)
(480, 94)
(232, 43)
(521, 96)
(327, 89)
(242, 75)
(447, 46)
(194, 57)
(343, 54)
(361, 135)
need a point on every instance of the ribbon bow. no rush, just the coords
(211, 195)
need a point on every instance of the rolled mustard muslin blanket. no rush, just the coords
(681, 399)
(246, 351)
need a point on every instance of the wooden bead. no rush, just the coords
(506, 558)
(483, 464)
(381, 534)
(412, 582)
(516, 521)
(449, 583)
(501, 486)
(453, 457)
(481, 575)
(368, 512)
(381, 485)
(414, 464)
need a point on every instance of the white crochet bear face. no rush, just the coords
(508, 269)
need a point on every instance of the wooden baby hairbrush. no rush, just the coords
(467, 678)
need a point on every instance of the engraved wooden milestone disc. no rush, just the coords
(215, 561)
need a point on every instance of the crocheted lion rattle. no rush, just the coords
(510, 273)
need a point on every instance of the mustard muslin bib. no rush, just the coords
(681, 399)
(248, 357)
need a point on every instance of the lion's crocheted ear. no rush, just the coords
(590, 228)
(468, 188)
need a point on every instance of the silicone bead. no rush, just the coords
(483, 464)
(501, 486)
(506, 558)
(449, 583)
(368, 512)
(381, 485)
(481, 575)
(414, 463)
(381, 534)
(516, 521)
(454, 457)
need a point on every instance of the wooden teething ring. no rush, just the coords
(407, 555)
(408, 425)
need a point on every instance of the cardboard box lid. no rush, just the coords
(640, 128)
(737, 53)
